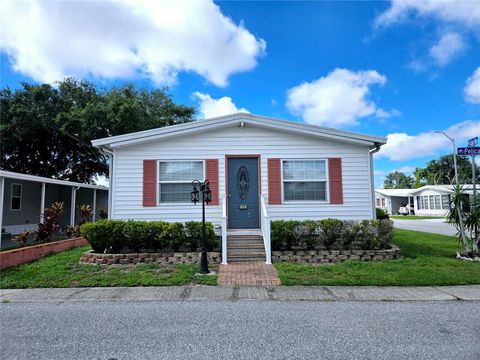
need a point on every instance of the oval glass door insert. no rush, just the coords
(243, 182)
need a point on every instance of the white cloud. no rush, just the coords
(210, 107)
(48, 40)
(402, 146)
(338, 99)
(379, 172)
(384, 114)
(465, 13)
(472, 87)
(449, 46)
(405, 169)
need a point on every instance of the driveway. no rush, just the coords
(436, 226)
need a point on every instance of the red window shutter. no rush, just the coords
(335, 180)
(211, 173)
(274, 182)
(149, 182)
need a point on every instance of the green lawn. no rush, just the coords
(63, 270)
(428, 259)
(414, 217)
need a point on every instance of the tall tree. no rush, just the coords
(441, 171)
(46, 130)
(398, 180)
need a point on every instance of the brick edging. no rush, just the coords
(90, 257)
(27, 254)
(334, 256)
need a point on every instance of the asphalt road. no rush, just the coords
(240, 330)
(436, 226)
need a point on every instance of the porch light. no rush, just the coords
(195, 192)
(206, 192)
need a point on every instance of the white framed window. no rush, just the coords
(432, 205)
(445, 202)
(383, 202)
(378, 202)
(304, 180)
(16, 197)
(419, 203)
(175, 179)
(438, 205)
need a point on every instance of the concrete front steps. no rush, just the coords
(243, 248)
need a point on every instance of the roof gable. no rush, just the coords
(239, 119)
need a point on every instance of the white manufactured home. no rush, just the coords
(260, 169)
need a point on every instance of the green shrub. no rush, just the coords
(330, 234)
(381, 214)
(114, 236)
(194, 234)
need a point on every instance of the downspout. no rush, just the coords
(109, 153)
(372, 179)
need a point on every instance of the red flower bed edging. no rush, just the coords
(28, 254)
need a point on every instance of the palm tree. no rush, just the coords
(456, 215)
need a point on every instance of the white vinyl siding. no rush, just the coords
(175, 180)
(304, 180)
(233, 140)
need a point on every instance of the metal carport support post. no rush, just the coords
(72, 205)
(2, 193)
(42, 203)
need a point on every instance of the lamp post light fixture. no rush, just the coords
(204, 188)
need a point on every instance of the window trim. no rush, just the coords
(327, 183)
(12, 196)
(157, 180)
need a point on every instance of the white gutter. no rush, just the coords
(105, 151)
(372, 180)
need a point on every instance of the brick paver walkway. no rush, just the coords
(248, 273)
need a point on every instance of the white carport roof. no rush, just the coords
(26, 177)
(467, 189)
(238, 118)
(396, 192)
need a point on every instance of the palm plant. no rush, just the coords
(467, 223)
(472, 224)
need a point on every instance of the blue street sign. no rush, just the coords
(473, 142)
(471, 151)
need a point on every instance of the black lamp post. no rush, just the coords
(206, 198)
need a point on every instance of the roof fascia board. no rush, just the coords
(255, 120)
(27, 177)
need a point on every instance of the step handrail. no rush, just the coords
(265, 227)
(224, 230)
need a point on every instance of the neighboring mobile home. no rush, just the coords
(24, 197)
(259, 168)
(428, 200)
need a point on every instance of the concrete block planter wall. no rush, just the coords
(29, 253)
(165, 258)
(334, 256)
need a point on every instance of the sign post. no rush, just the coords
(472, 150)
(471, 143)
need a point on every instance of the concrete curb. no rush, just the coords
(262, 293)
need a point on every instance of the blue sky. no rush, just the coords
(396, 69)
